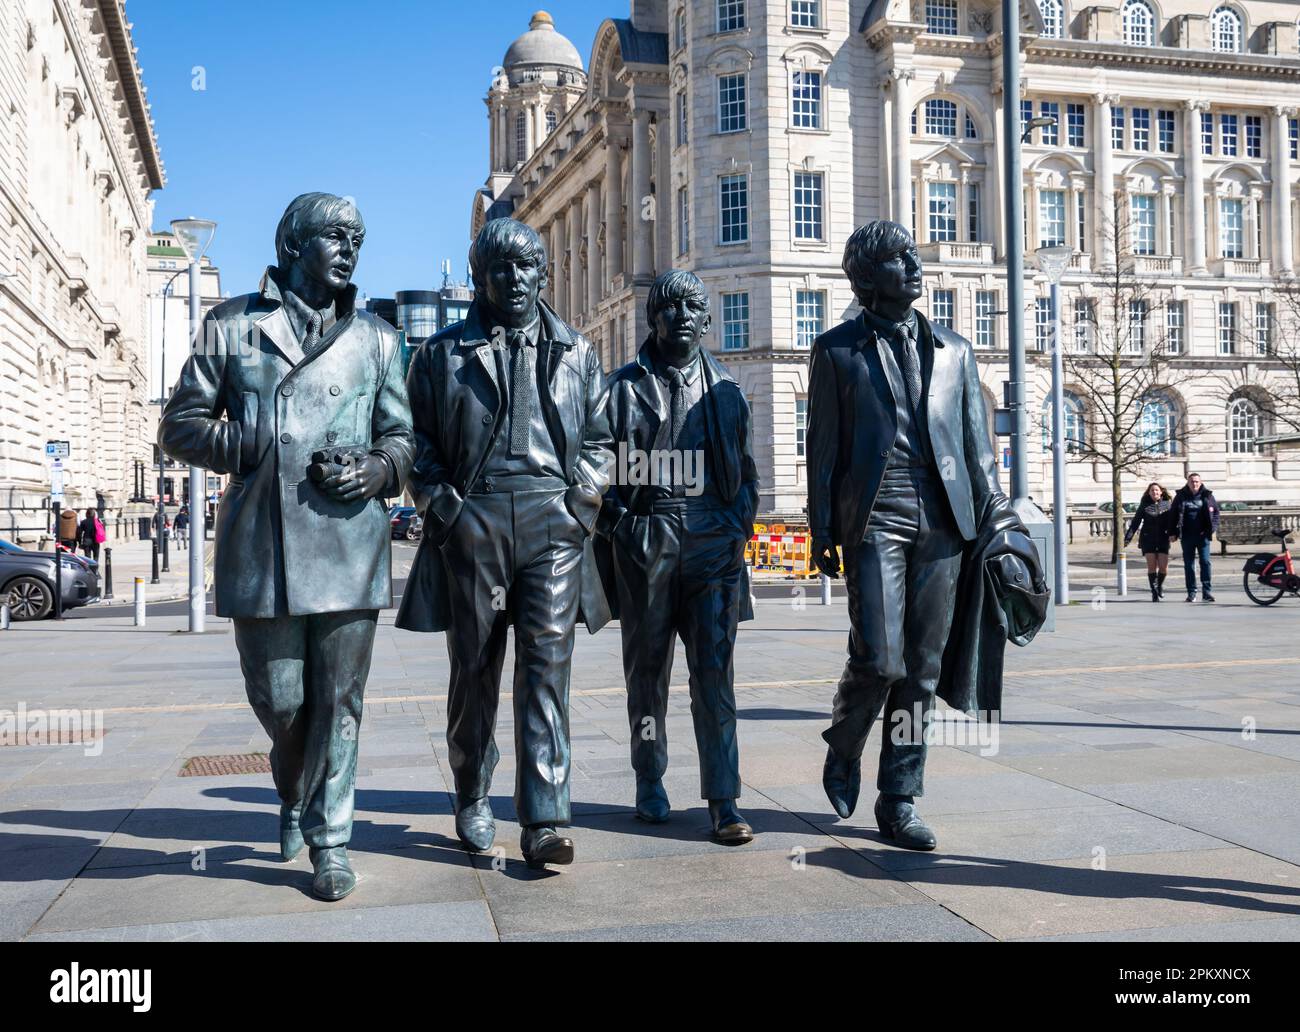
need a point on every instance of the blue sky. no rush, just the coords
(380, 100)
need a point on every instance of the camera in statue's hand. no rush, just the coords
(348, 474)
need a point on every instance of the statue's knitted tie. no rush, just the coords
(521, 392)
(911, 368)
(311, 341)
(677, 409)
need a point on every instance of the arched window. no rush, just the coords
(1139, 24)
(1053, 18)
(1076, 426)
(679, 28)
(521, 137)
(940, 118)
(1158, 425)
(1225, 30)
(1247, 423)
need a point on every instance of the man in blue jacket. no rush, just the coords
(1195, 522)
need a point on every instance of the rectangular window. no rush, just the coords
(972, 212)
(805, 14)
(941, 17)
(800, 428)
(986, 303)
(1143, 209)
(1175, 327)
(733, 208)
(1117, 128)
(731, 103)
(683, 220)
(807, 100)
(940, 118)
(1026, 113)
(1293, 131)
(808, 206)
(1232, 230)
(1042, 323)
(1228, 135)
(809, 316)
(1227, 328)
(1076, 120)
(735, 321)
(1080, 220)
(682, 111)
(1263, 329)
(1051, 217)
(943, 212)
(1141, 129)
(1137, 327)
(1084, 320)
(1207, 133)
(1254, 136)
(1051, 133)
(679, 28)
(1165, 123)
(731, 15)
(943, 308)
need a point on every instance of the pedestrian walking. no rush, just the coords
(1194, 520)
(67, 529)
(181, 526)
(90, 535)
(1151, 525)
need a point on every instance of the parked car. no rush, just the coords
(405, 522)
(1109, 507)
(27, 581)
(1234, 506)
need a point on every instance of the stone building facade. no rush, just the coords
(746, 139)
(78, 162)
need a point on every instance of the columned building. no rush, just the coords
(78, 162)
(745, 140)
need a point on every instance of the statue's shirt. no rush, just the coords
(912, 439)
(541, 459)
(300, 314)
(693, 437)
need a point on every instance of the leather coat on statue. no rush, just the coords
(458, 409)
(636, 413)
(276, 413)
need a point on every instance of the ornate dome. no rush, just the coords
(542, 45)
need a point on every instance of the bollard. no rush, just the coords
(4, 616)
(1121, 574)
(154, 568)
(139, 602)
(826, 590)
(108, 572)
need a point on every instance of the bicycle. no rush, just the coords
(1274, 573)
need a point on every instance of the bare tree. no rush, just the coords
(1121, 365)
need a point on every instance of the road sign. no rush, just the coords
(56, 449)
(56, 483)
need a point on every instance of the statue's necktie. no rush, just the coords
(521, 392)
(311, 341)
(677, 405)
(911, 368)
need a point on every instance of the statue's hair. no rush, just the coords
(870, 245)
(672, 286)
(309, 215)
(504, 238)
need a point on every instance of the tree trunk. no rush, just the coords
(1117, 516)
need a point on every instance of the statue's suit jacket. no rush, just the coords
(852, 422)
(459, 408)
(272, 517)
(636, 412)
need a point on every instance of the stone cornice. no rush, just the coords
(1193, 62)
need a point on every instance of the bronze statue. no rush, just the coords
(280, 383)
(512, 449)
(677, 519)
(940, 570)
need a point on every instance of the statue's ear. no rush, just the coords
(708, 321)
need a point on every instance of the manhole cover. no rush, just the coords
(238, 763)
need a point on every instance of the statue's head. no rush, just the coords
(677, 309)
(882, 264)
(319, 238)
(507, 262)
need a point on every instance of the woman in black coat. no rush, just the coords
(1151, 524)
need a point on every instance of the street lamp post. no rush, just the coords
(194, 236)
(160, 539)
(1052, 260)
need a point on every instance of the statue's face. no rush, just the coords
(512, 286)
(898, 278)
(679, 324)
(331, 257)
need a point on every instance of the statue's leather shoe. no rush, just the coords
(475, 825)
(898, 820)
(729, 827)
(334, 878)
(290, 834)
(542, 845)
(651, 800)
(842, 780)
